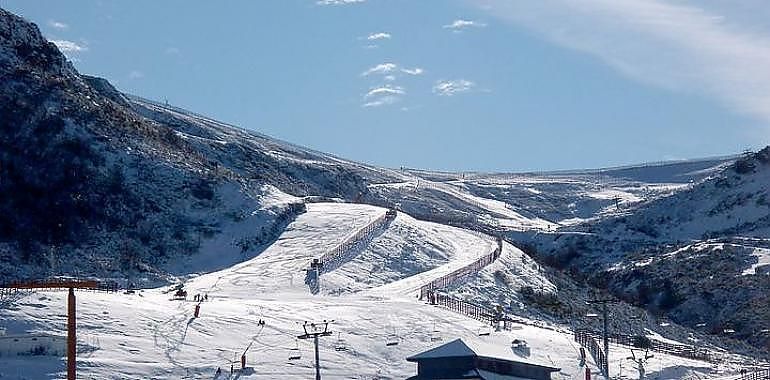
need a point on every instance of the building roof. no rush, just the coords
(478, 374)
(459, 348)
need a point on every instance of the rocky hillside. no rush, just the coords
(93, 183)
(699, 256)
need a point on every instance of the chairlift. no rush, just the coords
(340, 344)
(392, 339)
(295, 353)
(435, 336)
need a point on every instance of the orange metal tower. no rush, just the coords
(71, 285)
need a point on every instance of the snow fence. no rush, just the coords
(757, 375)
(585, 339)
(342, 252)
(346, 250)
(681, 350)
(462, 274)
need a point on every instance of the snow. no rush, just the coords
(147, 335)
(463, 347)
(501, 213)
(763, 259)
(407, 255)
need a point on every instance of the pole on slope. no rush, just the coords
(605, 333)
(606, 342)
(315, 331)
(317, 359)
(71, 337)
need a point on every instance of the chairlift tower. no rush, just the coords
(640, 362)
(498, 316)
(315, 331)
(70, 285)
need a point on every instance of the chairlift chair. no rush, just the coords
(435, 336)
(295, 353)
(392, 339)
(340, 344)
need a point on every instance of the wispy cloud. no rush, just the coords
(385, 90)
(382, 101)
(58, 25)
(681, 45)
(452, 87)
(389, 69)
(383, 96)
(378, 36)
(413, 71)
(390, 92)
(338, 2)
(382, 68)
(69, 46)
(460, 24)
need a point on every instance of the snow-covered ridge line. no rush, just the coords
(242, 131)
(558, 172)
(651, 164)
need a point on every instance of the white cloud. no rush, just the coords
(414, 71)
(460, 24)
(717, 49)
(382, 68)
(383, 96)
(69, 46)
(385, 90)
(452, 87)
(389, 78)
(378, 36)
(382, 101)
(58, 25)
(338, 2)
(388, 69)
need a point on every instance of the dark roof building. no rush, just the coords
(460, 359)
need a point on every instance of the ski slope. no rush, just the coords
(377, 324)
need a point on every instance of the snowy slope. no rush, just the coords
(696, 256)
(147, 335)
(408, 251)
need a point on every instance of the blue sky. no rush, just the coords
(454, 85)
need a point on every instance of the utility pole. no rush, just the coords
(71, 335)
(316, 330)
(605, 334)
